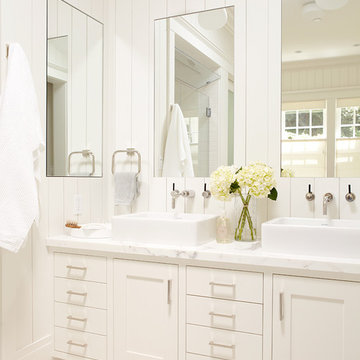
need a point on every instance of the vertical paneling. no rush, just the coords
(280, 207)
(194, 6)
(176, 7)
(196, 204)
(300, 207)
(213, 4)
(140, 94)
(257, 80)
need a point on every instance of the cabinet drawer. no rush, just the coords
(198, 357)
(80, 318)
(224, 314)
(81, 267)
(223, 344)
(80, 343)
(78, 292)
(225, 284)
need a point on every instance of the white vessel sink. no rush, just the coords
(165, 228)
(312, 237)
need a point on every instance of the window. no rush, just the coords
(350, 122)
(302, 124)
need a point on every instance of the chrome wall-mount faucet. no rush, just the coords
(328, 197)
(174, 195)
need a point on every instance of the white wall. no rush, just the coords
(26, 276)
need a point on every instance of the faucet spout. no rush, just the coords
(328, 197)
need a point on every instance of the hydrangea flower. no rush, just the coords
(257, 179)
(287, 172)
(221, 180)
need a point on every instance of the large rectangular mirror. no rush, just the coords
(320, 88)
(74, 92)
(194, 93)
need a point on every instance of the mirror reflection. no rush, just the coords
(320, 88)
(194, 93)
(74, 92)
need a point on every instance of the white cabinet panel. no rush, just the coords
(315, 319)
(225, 284)
(223, 344)
(224, 314)
(80, 267)
(83, 293)
(80, 318)
(145, 310)
(80, 343)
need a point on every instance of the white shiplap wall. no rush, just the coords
(26, 276)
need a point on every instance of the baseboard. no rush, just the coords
(39, 350)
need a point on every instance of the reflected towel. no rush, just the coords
(21, 142)
(126, 188)
(177, 156)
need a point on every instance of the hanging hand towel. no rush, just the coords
(126, 188)
(20, 145)
(177, 156)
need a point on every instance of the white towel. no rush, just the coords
(177, 156)
(126, 188)
(21, 142)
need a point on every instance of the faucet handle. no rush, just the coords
(310, 196)
(188, 193)
(350, 197)
(206, 193)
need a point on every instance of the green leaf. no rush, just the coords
(234, 187)
(238, 170)
(273, 194)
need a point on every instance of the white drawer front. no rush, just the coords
(225, 284)
(223, 344)
(198, 357)
(80, 343)
(224, 314)
(83, 293)
(81, 267)
(80, 318)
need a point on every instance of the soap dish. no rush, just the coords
(90, 231)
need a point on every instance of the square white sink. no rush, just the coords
(312, 237)
(165, 228)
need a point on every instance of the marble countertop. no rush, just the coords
(233, 253)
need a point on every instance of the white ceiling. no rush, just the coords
(333, 36)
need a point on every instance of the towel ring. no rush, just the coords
(130, 152)
(85, 154)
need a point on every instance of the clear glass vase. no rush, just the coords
(245, 226)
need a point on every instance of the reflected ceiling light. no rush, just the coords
(331, 4)
(312, 12)
(213, 20)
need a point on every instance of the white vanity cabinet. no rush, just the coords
(145, 310)
(315, 319)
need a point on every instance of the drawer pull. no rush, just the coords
(281, 304)
(70, 292)
(212, 283)
(76, 318)
(71, 343)
(211, 343)
(222, 315)
(71, 267)
(169, 292)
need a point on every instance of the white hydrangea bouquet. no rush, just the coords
(255, 180)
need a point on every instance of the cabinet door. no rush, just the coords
(145, 310)
(315, 319)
